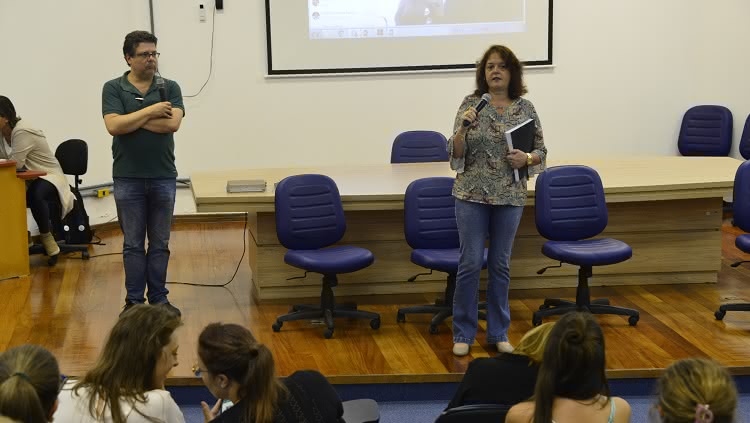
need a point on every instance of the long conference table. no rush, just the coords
(669, 209)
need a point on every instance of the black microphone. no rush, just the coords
(160, 86)
(486, 97)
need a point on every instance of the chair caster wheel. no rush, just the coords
(85, 255)
(720, 314)
(544, 307)
(536, 320)
(434, 329)
(375, 323)
(328, 334)
(277, 326)
(633, 320)
(400, 317)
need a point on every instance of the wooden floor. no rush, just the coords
(69, 309)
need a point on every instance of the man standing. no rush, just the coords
(142, 112)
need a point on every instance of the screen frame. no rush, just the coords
(390, 69)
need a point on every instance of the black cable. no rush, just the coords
(211, 57)
(244, 249)
(223, 285)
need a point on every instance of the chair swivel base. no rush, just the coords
(64, 248)
(327, 311)
(556, 307)
(441, 310)
(731, 307)
(440, 313)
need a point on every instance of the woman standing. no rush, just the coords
(489, 203)
(47, 194)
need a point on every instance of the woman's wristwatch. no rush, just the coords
(529, 159)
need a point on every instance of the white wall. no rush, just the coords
(624, 74)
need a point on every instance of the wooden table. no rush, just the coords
(14, 246)
(669, 209)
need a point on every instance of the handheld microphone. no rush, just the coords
(486, 97)
(161, 87)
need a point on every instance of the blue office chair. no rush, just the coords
(475, 413)
(309, 217)
(419, 146)
(570, 208)
(430, 229)
(706, 131)
(745, 140)
(742, 220)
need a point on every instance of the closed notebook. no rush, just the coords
(521, 137)
(246, 185)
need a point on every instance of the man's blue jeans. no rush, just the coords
(145, 207)
(475, 222)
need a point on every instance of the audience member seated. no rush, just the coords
(234, 366)
(696, 390)
(47, 194)
(126, 383)
(572, 386)
(507, 378)
(29, 384)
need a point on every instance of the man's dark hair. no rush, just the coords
(133, 39)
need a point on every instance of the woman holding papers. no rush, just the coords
(488, 201)
(28, 147)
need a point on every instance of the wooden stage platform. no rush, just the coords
(70, 308)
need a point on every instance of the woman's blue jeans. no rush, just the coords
(144, 208)
(477, 222)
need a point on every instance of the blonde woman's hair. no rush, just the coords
(696, 383)
(533, 342)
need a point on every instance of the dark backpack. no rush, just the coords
(75, 225)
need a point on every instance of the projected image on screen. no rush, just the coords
(345, 19)
(312, 37)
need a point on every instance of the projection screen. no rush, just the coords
(350, 36)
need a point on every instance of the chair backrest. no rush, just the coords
(745, 140)
(419, 146)
(569, 203)
(706, 131)
(741, 205)
(309, 214)
(430, 214)
(73, 156)
(474, 413)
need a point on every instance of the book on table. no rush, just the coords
(246, 185)
(521, 137)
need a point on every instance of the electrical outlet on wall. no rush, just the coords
(202, 12)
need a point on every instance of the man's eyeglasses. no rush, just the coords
(147, 54)
(197, 370)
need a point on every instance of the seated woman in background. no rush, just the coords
(127, 382)
(29, 148)
(507, 378)
(696, 390)
(572, 385)
(235, 366)
(29, 384)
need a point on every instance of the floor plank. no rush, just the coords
(69, 309)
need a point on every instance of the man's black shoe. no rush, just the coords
(171, 308)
